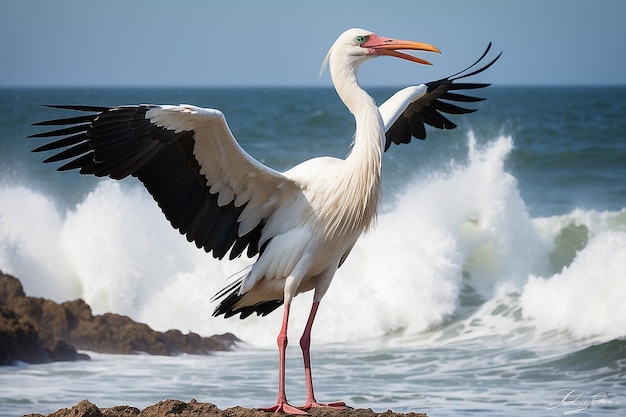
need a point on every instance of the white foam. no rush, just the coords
(30, 227)
(587, 297)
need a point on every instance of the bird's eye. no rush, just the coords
(360, 40)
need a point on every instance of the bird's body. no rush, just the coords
(301, 224)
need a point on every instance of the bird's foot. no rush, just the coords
(284, 407)
(340, 405)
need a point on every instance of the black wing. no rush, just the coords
(438, 99)
(120, 141)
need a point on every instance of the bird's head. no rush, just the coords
(354, 46)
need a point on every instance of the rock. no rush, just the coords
(19, 341)
(196, 344)
(113, 333)
(82, 409)
(176, 408)
(59, 351)
(36, 330)
(10, 289)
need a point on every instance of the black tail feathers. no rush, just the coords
(230, 297)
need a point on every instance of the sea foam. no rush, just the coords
(586, 298)
(457, 256)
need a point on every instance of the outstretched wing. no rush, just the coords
(407, 113)
(207, 186)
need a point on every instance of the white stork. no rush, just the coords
(302, 223)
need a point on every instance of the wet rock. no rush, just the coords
(19, 340)
(59, 351)
(36, 330)
(10, 289)
(82, 409)
(176, 408)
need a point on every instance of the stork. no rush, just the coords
(299, 224)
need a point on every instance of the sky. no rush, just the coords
(283, 43)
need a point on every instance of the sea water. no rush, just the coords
(493, 284)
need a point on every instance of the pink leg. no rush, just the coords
(305, 344)
(282, 406)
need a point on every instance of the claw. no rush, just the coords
(284, 407)
(340, 405)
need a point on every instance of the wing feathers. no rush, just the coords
(65, 121)
(61, 132)
(461, 98)
(428, 108)
(450, 108)
(188, 161)
(68, 153)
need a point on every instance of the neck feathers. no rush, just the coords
(359, 180)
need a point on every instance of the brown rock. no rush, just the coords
(82, 409)
(59, 351)
(48, 317)
(48, 331)
(19, 341)
(124, 410)
(10, 289)
(195, 344)
(78, 311)
(176, 408)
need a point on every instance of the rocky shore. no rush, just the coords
(176, 408)
(36, 330)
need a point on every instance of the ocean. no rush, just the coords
(493, 284)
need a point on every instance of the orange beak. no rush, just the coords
(378, 45)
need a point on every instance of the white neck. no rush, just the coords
(359, 181)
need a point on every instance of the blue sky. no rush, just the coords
(213, 43)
